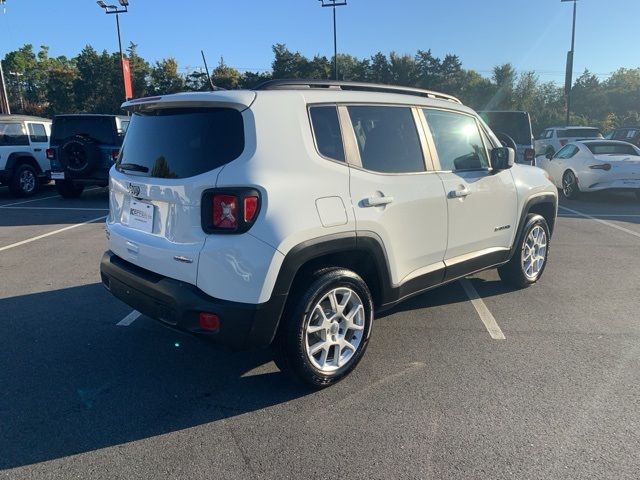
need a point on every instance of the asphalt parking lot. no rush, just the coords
(437, 395)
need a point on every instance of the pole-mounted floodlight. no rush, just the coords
(113, 9)
(333, 4)
(568, 81)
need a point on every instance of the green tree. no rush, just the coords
(165, 78)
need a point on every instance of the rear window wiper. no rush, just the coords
(134, 167)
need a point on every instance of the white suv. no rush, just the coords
(23, 144)
(288, 214)
(552, 139)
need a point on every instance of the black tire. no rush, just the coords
(68, 189)
(570, 189)
(79, 155)
(290, 344)
(513, 272)
(24, 182)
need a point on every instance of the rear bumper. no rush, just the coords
(177, 304)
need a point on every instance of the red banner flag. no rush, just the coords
(126, 70)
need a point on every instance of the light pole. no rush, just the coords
(111, 10)
(333, 4)
(568, 83)
(4, 100)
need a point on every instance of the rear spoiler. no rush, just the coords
(237, 99)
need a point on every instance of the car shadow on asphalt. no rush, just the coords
(72, 381)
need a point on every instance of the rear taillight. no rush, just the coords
(114, 154)
(563, 142)
(229, 210)
(51, 154)
(209, 321)
(529, 154)
(603, 166)
(225, 211)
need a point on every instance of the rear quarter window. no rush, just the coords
(181, 143)
(13, 134)
(326, 131)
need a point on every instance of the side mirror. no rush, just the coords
(550, 153)
(502, 158)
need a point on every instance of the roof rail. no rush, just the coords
(347, 85)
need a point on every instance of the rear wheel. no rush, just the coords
(67, 189)
(326, 328)
(570, 188)
(530, 258)
(24, 182)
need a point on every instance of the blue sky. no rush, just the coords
(532, 34)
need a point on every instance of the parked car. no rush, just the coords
(513, 129)
(23, 143)
(594, 165)
(290, 214)
(554, 138)
(83, 149)
(627, 134)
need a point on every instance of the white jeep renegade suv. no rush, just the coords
(289, 214)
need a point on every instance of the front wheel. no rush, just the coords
(68, 189)
(530, 257)
(326, 328)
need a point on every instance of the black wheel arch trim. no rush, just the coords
(539, 199)
(16, 158)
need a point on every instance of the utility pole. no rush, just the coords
(568, 83)
(333, 4)
(4, 100)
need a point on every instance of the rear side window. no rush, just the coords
(387, 139)
(100, 129)
(457, 140)
(326, 130)
(181, 143)
(13, 134)
(612, 149)
(579, 133)
(37, 133)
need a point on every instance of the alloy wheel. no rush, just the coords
(534, 252)
(27, 181)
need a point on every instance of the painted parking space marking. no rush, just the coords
(29, 201)
(603, 222)
(60, 230)
(483, 312)
(129, 319)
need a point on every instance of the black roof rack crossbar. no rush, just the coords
(346, 85)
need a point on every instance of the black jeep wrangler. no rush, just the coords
(83, 149)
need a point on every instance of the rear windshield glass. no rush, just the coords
(579, 133)
(611, 149)
(99, 129)
(181, 143)
(515, 124)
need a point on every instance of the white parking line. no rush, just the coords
(33, 239)
(485, 315)
(29, 201)
(55, 208)
(603, 222)
(129, 319)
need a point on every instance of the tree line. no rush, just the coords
(91, 82)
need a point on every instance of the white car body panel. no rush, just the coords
(306, 197)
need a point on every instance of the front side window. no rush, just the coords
(567, 151)
(13, 134)
(387, 139)
(326, 130)
(457, 140)
(37, 133)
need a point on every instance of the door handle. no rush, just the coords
(377, 201)
(459, 193)
(37, 149)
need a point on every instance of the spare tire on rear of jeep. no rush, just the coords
(80, 155)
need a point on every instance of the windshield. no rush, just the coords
(515, 124)
(611, 149)
(579, 133)
(180, 143)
